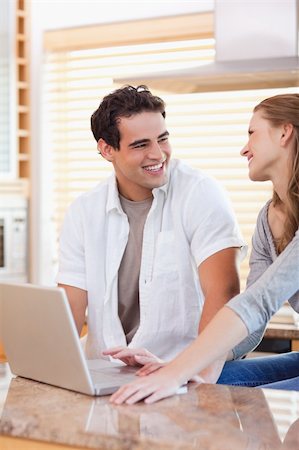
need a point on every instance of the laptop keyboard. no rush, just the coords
(113, 375)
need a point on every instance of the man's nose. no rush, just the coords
(156, 152)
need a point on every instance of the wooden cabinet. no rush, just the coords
(22, 88)
(15, 91)
(15, 126)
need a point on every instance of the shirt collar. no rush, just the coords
(113, 201)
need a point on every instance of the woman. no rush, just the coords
(273, 154)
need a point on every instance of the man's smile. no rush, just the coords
(154, 168)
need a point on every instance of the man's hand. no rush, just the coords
(133, 356)
(149, 367)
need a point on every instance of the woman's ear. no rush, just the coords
(105, 150)
(287, 133)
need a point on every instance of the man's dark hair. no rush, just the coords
(124, 102)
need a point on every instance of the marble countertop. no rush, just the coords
(207, 417)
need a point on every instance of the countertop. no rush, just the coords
(38, 416)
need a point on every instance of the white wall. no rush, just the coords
(55, 14)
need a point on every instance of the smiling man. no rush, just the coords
(140, 163)
(153, 250)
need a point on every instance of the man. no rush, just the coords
(148, 247)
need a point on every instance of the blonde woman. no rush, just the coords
(272, 152)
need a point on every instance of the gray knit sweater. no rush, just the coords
(272, 280)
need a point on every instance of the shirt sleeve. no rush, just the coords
(260, 257)
(71, 269)
(260, 260)
(210, 221)
(264, 297)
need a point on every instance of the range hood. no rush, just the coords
(256, 47)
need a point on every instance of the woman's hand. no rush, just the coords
(133, 356)
(212, 373)
(156, 386)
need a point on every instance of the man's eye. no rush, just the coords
(137, 146)
(165, 139)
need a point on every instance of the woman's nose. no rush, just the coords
(244, 150)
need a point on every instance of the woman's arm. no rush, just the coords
(277, 284)
(200, 354)
(227, 328)
(261, 257)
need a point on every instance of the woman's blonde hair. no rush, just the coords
(279, 110)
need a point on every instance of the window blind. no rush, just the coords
(207, 130)
(284, 406)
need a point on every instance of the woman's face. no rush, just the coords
(265, 155)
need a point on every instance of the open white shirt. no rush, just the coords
(190, 219)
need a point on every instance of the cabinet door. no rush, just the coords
(8, 90)
(14, 89)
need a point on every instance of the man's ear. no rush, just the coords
(105, 150)
(287, 133)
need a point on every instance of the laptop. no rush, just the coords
(41, 342)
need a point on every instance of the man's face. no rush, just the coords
(140, 163)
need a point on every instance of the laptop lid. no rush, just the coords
(40, 337)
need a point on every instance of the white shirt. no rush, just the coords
(190, 219)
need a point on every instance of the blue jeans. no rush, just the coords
(273, 372)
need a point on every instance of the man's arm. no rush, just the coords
(78, 302)
(220, 282)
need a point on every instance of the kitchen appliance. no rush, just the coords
(256, 47)
(13, 239)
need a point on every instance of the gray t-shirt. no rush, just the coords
(272, 281)
(129, 270)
